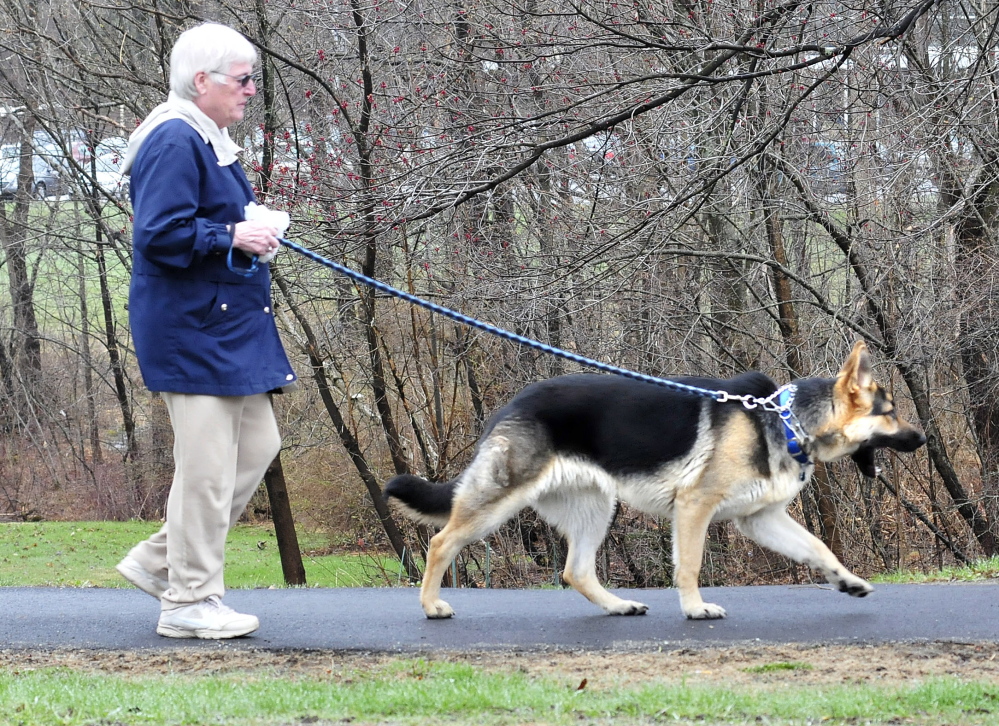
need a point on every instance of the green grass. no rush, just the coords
(777, 667)
(64, 227)
(987, 569)
(417, 691)
(83, 554)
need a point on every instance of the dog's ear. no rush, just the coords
(864, 459)
(855, 382)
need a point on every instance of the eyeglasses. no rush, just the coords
(244, 81)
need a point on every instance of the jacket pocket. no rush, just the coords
(234, 312)
(217, 310)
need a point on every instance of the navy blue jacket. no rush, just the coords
(197, 326)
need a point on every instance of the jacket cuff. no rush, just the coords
(224, 234)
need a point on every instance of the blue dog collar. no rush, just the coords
(784, 399)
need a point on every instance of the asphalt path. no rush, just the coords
(390, 619)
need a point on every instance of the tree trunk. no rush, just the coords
(284, 524)
(117, 367)
(96, 453)
(26, 342)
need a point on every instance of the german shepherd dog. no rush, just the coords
(571, 447)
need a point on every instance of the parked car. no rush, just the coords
(112, 145)
(107, 174)
(48, 179)
(824, 165)
(74, 141)
(103, 166)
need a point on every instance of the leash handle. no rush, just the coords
(242, 271)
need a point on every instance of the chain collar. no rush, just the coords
(779, 402)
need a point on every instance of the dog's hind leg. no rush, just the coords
(774, 529)
(485, 498)
(464, 528)
(583, 516)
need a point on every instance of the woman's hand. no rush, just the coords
(255, 238)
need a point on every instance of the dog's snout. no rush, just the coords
(910, 439)
(906, 438)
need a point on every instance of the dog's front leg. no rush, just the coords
(691, 517)
(774, 529)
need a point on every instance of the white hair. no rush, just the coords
(210, 47)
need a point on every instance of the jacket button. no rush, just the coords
(225, 307)
(267, 309)
(290, 377)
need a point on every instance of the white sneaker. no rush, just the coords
(131, 570)
(208, 619)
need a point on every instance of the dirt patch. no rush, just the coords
(801, 664)
(805, 664)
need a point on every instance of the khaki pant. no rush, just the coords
(222, 447)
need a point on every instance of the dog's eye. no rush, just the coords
(882, 405)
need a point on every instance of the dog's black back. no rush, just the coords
(624, 425)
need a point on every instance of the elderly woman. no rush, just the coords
(203, 326)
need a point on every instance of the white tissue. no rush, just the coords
(274, 217)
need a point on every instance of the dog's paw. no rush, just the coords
(855, 587)
(628, 607)
(705, 611)
(438, 610)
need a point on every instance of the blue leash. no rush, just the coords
(720, 396)
(779, 402)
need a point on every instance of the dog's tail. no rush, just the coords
(423, 501)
